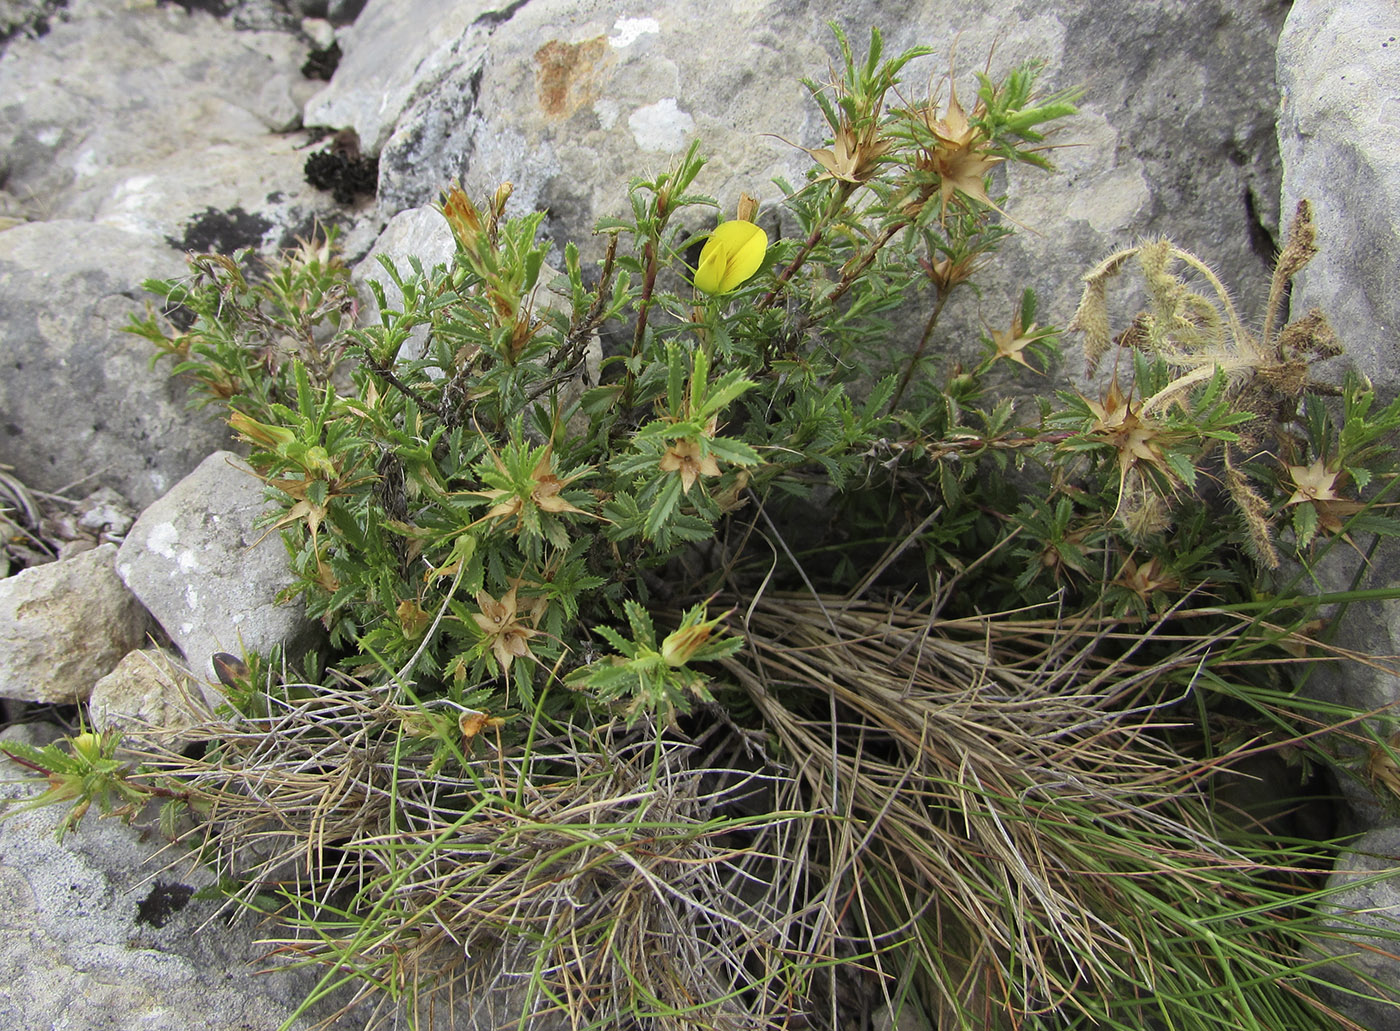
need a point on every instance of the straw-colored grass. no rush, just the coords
(984, 819)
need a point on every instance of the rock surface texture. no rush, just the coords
(64, 626)
(78, 401)
(210, 576)
(130, 133)
(103, 933)
(1339, 134)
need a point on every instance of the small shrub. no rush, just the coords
(682, 675)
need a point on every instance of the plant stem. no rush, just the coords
(919, 351)
(643, 309)
(853, 272)
(838, 201)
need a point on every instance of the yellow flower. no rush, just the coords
(731, 255)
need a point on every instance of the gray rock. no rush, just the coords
(1367, 629)
(207, 574)
(388, 52)
(1339, 134)
(103, 932)
(150, 693)
(158, 119)
(1367, 907)
(80, 403)
(64, 626)
(567, 100)
(26, 18)
(420, 233)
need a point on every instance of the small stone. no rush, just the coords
(65, 625)
(150, 692)
(208, 574)
(69, 549)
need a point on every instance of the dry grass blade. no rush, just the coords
(583, 882)
(971, 754)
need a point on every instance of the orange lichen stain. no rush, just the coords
(568, 75)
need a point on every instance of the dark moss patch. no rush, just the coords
(222, 231)
(342, 169)
(310, 227)
(321, 64)
(164, 901)
(33, 23)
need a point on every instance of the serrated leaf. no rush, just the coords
(1305, 524)
(661, 509)
(733, 451)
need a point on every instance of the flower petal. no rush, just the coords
(732, 254)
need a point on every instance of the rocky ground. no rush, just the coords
(131, 133)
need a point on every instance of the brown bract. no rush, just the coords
(545, 496)
(500, 622)
(1147, 579)
(1011, 343)
(1134, 437)
(853, 157)
(960, 157)
(684, 457)
(1316, 484)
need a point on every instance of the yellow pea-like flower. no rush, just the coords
(731, 255)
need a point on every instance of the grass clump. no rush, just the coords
(696, 659)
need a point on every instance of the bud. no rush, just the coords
(498, 202)
(748, 208)
(462, 218)
(254, 432)
(681, 645)
(230, 669)
(87, 745)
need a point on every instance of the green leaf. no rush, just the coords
(664, 505)
(734, 451)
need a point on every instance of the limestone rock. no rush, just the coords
(567, 100)
(388, 52)
(150, 692)
(103, 932)
(64, 625)
(151, 117)
(420, 233)
(1339, 135)
(79, 400)
(1367, 962)
(206, 572)
(26, 18)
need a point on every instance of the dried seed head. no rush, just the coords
(1091, 319)
(1302, 243)
(1141, 510)
(1311, 335)
(1255, 512)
